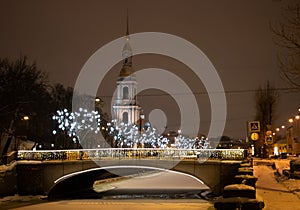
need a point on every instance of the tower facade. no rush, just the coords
(126, 109)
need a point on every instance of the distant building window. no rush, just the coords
(125, 117)
(126, 60)
(125, 93)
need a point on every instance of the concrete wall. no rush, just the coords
(8, 180)
(214, 173)
(37, 177)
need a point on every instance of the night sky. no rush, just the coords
(60, 35)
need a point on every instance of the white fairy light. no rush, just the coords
(77, 122)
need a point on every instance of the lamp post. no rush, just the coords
(142, 118)
(297, 132)
(25, 118)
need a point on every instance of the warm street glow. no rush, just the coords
(25, 117)
(276, 151)
(290, 120)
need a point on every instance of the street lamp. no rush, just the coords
(98, 102)
(26, 118)
(142, 118)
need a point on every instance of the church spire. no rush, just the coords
(127, 25)
(126, 53)
(126, 109)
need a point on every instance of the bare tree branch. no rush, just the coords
(287, 33)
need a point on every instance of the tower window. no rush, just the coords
(126, 60)
(125, 92)
(125, 117)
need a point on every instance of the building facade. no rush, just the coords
(292, 138)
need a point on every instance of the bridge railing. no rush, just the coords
(132, 153)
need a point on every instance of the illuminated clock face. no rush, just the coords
(254, 136)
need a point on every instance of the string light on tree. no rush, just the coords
(77, 124)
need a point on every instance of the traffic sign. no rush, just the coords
(254, 136)
(268, 133)
(254, 126)
(269, 139)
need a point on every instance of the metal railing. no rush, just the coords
(132, 153)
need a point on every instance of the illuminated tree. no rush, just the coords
(191, 143)
(80, 126)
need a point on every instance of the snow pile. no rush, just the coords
(245, 169)
(293, 185)
(276, 195)
(4, 168)
(238, 187)
(282, 165)
(20, 198)
(245, 176)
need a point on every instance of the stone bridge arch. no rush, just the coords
(214, 174)
(72, 184)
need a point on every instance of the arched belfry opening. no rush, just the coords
(125, 92)
(125, 117)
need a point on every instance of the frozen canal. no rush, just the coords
(157, 190)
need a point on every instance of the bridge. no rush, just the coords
(60, 172)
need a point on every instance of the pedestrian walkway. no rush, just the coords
(275, 195)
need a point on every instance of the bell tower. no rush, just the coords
(126, 109)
